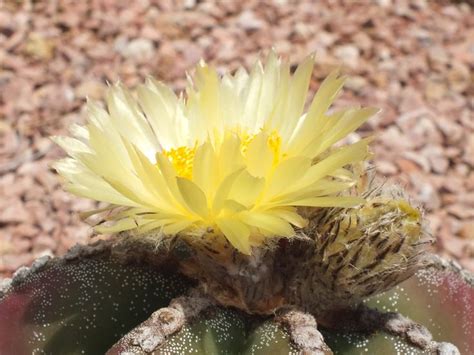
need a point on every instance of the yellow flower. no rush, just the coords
(234, 154)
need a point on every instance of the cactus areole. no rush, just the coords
(263, 203)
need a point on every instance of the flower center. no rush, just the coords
(182, 157)
(182, 160)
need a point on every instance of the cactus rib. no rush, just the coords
(303, 331)
(368, 320)
(163, 323)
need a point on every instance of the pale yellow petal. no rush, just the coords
(169, 176)
(129, 193)
(330, 201)
(223, 191)
(268, 222)
(297, 96)
(259, 156)
(83, 182)
(277, 117)
(339, 129)
(177, 227)
(246, 188)
(343, 174)
(320, 188)
(240, 80)
(287, 173)
(232, 207)
(291, 215)
(346, 155)
(269, 90)
(98, 194)
(79, 132)
(205, 172)
(206, 99)
(311, 124)
(130, 122)
(153, 180)
(154, 224)
(159, 104)
(71, 146)
(236, 232)
(193, 196)
(230, 156)
(230, 104)
(252, 99)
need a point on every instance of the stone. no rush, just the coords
(425, 192)
(468, 156)
(138, 50)
(420, 159)
(38, 46)
(348, 54)
(461, 211)
(363, 41)
(386, 167)
(249, 21)
(459, 77)
(435, 89)
(93, 89)
(13, 211)
(407, 165)
(467, 230)
(356, 83)
(438, 55)
(451, 131)
(435, 156)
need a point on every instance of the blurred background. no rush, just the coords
(412, 58)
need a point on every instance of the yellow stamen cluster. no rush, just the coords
(182, 160)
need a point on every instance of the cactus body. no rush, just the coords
(85, 305)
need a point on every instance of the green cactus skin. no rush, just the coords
(442, 301)
(447, 317)
(228, 332)
(219, 331)
(80, 306)
(83, 306)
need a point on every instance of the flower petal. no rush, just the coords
(236, 232)
(193, 196)
(259, 156)
(330, 201)
(268, 222)
(246, 188)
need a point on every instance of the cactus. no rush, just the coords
(238, 227)
(82, 304)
